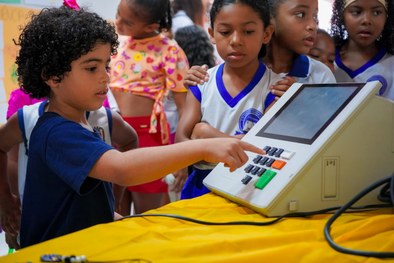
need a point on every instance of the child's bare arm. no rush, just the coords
(180, 102)
(191, 115)
(10, 136)
(196, 75)
(124, 137)
(203, 130)
(147, 164)
(180, 175)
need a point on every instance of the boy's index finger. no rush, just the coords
(250, 147)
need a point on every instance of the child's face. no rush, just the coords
(324, 50)
(85, 87)
(239, 34)
(296, 24)
(128, 24)
(364, 21)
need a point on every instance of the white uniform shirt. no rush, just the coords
(233, 115)
(380, 67)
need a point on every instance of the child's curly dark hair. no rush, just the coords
(340, 34)
(195, 42)
(52, 40)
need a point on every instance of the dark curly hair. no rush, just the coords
(52, 40)
(261, 7)
(195, 42)
(340, 34)
(153, 11)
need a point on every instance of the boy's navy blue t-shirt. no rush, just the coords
(59, 197)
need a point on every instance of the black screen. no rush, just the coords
(309, 111)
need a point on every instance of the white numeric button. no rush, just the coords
(287, 155)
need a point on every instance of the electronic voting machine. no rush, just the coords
(324, 142)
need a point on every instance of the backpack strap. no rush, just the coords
(21, 123)
(109, 116)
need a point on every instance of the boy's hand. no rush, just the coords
(229, 151)
(196, 75)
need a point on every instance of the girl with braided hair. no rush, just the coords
(363, 31)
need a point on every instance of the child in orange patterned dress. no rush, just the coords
(147, 66)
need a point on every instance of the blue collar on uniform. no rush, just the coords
(232, 101)
(300, 67)
(353, 73)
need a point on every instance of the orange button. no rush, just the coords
(278, 164)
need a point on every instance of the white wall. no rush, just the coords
(105, 8)
(325, 11)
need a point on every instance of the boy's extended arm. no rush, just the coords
(147, 164)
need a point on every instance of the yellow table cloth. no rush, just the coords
(161, 239)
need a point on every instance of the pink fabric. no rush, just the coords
(106, 103)
(17, 100)
(71, 4)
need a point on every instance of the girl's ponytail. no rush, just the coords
(154, 11)
(166, 21)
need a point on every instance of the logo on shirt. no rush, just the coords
(382, 80)
(248, 119)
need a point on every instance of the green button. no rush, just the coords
(265, 178)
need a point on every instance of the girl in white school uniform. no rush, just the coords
(233, 98)
(295, 23)
(363, 31)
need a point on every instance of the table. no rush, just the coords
(161, 239)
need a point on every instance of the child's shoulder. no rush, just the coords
(165, 40)
(29, 114)
(318, 72)
(388, 59)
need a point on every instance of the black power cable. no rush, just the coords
(389, 187)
